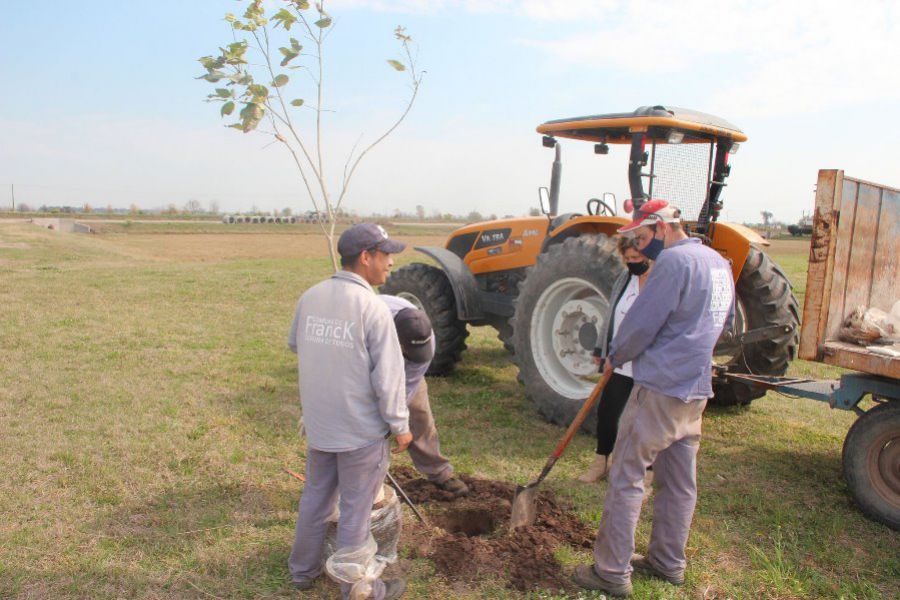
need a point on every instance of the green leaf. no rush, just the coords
(259, 92)
(297, 102)
(284, 18)
(295, 45)
(301, 4)
(227, 108)
(323, 22)
(213, 76)
(223, 92)
(251, 115)
(399, 66)
(280, 80)
(241, 78)
(229, 17)
(289, 55)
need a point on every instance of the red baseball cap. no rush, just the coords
(651, 212)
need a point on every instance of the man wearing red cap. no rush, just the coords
(669, 335)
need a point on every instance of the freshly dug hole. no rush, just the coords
(477, 544)
(471, 522)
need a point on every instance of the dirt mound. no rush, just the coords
(477, 544)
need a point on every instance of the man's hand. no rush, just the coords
(403, 441)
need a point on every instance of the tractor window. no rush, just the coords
(681, 175)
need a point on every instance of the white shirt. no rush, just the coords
(622, 307)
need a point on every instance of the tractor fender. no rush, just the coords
(584, 224)
(465, 288)
(733, 242)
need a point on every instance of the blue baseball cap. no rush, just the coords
(367, 236)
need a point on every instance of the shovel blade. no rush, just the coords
(524, 509)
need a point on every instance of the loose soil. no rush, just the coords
(472, 540)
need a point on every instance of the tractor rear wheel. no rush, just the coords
(428, 288)
(561, 309)
(764, 298)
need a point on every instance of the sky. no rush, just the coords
(101, 104)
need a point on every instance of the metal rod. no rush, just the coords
(405, 498)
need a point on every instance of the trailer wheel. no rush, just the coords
(764, 298)
(871, 460)
(429, 289)
(561, 309)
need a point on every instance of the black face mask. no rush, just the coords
(637, 269)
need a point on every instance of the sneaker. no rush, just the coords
(642, 565)
(455, 486)
(394, 588)
(586, 577)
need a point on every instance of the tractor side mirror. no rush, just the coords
(544, 199)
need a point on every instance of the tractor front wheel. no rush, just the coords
(561, 309)
(428, 288)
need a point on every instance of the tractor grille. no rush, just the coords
(681, 175)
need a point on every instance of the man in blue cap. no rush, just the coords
(353, 397)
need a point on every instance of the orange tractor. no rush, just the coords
(544, 282)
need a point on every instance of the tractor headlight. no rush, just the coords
(676, 137)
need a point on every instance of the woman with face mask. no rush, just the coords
(615, 395)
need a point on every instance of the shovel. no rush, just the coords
(524, 510)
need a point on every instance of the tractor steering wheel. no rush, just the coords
(598, 207)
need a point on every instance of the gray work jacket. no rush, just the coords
(350, 365)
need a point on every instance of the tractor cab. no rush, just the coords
(676, 154)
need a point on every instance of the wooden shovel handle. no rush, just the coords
(579, 418)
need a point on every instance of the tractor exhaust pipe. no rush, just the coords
(555, 177)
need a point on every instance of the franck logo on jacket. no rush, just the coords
(329, 332)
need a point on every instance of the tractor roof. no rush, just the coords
(657, 121)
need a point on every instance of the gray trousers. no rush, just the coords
(425, 449)
(356, 475)
(662, 431)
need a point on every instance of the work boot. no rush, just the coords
(586, 577)
(455, 486)
(642, 565)
(394, 588)
(598, 470)
(303, 584)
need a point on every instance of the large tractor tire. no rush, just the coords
(764, 298)
(429, 289)
(871, 459)
(562, 306)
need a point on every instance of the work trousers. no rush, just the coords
(425, 449)
(355, 475)
(662, 431)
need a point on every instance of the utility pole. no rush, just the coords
(12, 190)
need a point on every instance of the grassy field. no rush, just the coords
(148, 406)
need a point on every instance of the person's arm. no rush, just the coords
(415, 373)
(656, 302)
(387, 375)
(292, 334)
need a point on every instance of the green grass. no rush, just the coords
(148, 405)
